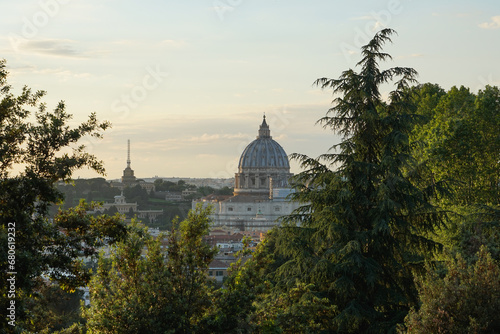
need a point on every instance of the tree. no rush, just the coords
(136, 194)
(462, 143)
(128, 292)
(162, 292)
(232, 308)
(426, 97)
(364, 226)
(55, 309)
(33, 247)
(459, 142)
(188, 260)
(466, 300)
(450, 141)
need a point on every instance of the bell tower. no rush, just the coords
(128, 173)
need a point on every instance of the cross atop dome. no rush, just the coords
(264, 131)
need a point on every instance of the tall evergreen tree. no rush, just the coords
(367, 214)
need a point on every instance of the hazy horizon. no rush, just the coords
(188, 82)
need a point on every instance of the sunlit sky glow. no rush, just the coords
(188, 81)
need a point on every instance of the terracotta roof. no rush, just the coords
(218, 264)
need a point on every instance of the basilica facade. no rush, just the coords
(260, 190)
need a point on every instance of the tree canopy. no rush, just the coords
(397, 229)
(34, 146)
(166, 291)
(363, 229)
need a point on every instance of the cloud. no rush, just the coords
(62, 74)
(206, 138)
(51, 47)
(494, 23)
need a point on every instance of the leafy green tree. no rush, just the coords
(460, 143)
(54, 309)
(188, 260)
(205, 190)
(161, 185)
(296, 310)
(35, 153)
(128, 292)
(479, 228)
(467, 300)
(232, 306)
(449, 140)
(487, 119)
(136, 194)
(111, 211)
(367, 214)
(426, 97)
(224, 191)
(165, 291)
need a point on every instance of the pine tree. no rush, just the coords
(367, 216)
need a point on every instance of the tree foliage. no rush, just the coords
(364, 224)
(54, 309)
(461, 142)
(467, 300)
(165, 291)
(233, 306)
(34, 148)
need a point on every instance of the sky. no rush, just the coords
(188, 82)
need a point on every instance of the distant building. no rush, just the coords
(261, 188)
(150, 215)
(217, 270)
(172, 196)
(186, 193)
(149, 187)
(123, 207)
(120, 204)
(222, 240)
(128, 178)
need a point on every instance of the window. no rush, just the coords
(219, 273)
(277, 208)
(230, 209)
(210, 273)
(249, 209)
